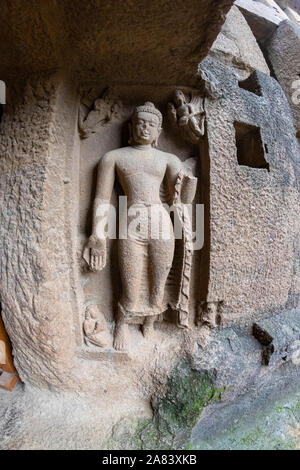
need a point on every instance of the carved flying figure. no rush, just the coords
(140, 169)
(188, 116)
(101, 114)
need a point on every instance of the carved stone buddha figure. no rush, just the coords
(140, 169)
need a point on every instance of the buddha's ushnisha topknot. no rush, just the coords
(148, 107)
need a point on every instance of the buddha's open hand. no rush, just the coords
(94, 253)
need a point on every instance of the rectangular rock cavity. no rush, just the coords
(250, 150)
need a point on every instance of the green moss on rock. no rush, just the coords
(175, 415)
(275, 426)
(188, 392)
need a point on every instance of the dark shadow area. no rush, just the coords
(250, 149)
(251, 84)
(264, 49)
(202, 257)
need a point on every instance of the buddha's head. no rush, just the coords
(146, 125)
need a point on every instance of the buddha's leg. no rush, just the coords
(160, 261)
(131, 264)
(161, 253)
(131, 258)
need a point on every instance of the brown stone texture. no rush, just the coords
(284, 52)
(75, 71)
(49, 50)
(35, 256)
(119, 40)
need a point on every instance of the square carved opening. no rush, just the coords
(250, 149)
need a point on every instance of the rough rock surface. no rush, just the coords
(279, 337)
(254, 205)
(233, 403)
(292, 15)
(284, 52)
(294, 4)
(35, 271)
(237, 47)
(40, 163)
(105, 38)
(181, 384)
(262, 19)
(275, 7)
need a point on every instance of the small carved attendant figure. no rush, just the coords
(188, 116)
(140, 168)
(95, 330)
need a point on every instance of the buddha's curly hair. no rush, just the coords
(148, 107)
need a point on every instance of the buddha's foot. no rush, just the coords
(121, 338)
(183, 319)
(148, 326)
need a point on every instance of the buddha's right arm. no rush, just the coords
(105, 184)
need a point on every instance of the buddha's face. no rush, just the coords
(145, 128)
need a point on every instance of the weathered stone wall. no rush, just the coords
(254, 212)
(36, 264)
(121, 41)
(41, 290)
(181, 384)
(237, 47)
(284, 53)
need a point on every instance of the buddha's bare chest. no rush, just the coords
(143, 168)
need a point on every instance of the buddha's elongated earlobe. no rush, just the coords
(155, 142)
